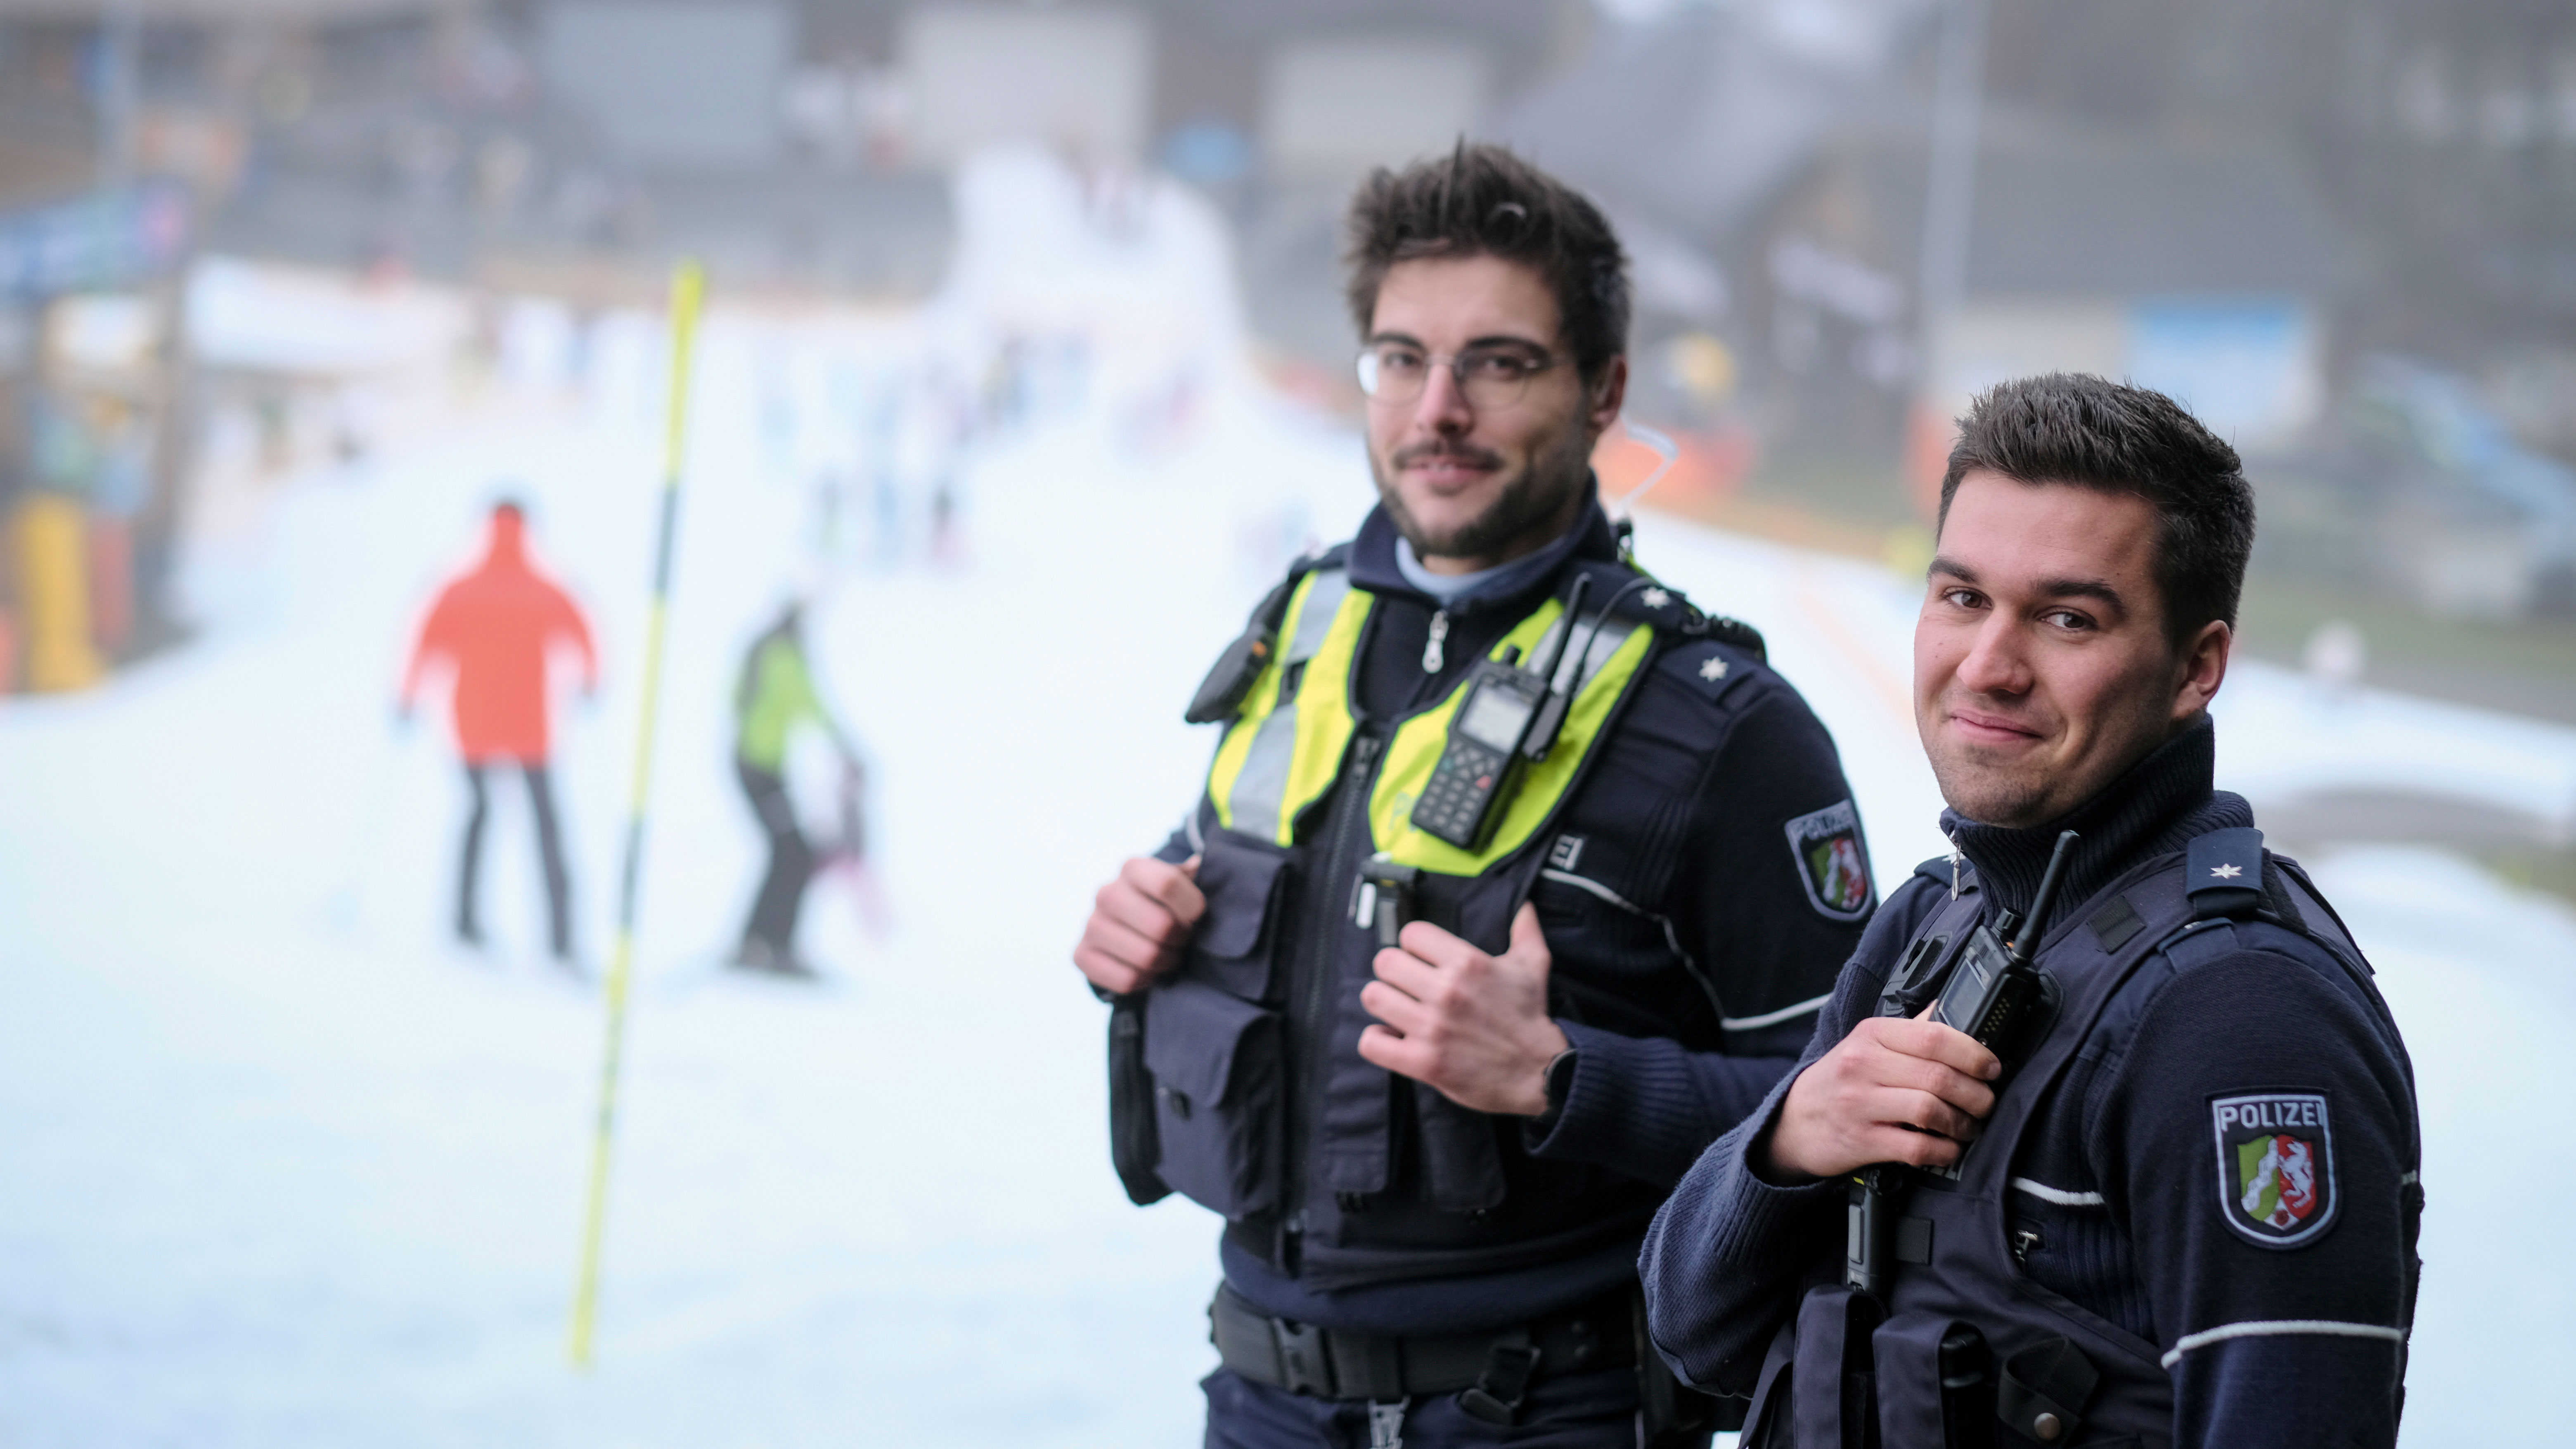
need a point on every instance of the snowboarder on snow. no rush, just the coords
(497, 627)
(774, 697)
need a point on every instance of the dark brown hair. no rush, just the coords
(1483, 201)
(2075, 428)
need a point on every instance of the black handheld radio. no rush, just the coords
(1993, 986)
(1508, 717)
(1989, 996)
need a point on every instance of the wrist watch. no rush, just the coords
(1560, 1082)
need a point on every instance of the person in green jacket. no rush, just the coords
(776, 697)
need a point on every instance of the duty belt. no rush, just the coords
(1493, 1367)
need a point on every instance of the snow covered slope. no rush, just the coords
(288, 1172)
(282, 1169)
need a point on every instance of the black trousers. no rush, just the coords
(791, 863)
(541, 797)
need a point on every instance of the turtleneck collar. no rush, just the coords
(2158, 805)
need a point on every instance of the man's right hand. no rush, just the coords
(1139, 923)
(1892, 1091)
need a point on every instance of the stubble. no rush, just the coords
(1535, 498)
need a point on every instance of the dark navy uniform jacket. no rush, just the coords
(1689, 959)
(2121, 1199)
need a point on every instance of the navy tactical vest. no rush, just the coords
(1967, 1343)
(1327, 1166)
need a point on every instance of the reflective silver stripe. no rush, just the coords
(2410, 1179)
(1613, 633)
(1595, 654)
(2322, 1327)
(1568, 877)
(1547, 641)
(2057, 1195)
(1672, 941)
(1613, 897)
(1774, 1018)
(1263, 779)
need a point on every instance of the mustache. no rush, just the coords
(1406, 457)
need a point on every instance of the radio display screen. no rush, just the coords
(1495, 716)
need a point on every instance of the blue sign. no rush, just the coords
(105, 239)
(2248, 369)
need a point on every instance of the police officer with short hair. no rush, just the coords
(2172, 1196)
(1516, 880)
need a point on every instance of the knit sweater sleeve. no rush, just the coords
(2259, 1144)
(1763, 943)
(1725, 1256)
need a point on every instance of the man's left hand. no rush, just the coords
(1475, 1027)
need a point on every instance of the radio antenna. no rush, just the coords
(1564, 630)
(2055, 876)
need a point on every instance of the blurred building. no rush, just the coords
(2345, 234)
(2270, 207)
(91, 456)
(2208, 272)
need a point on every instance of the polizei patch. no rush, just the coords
(1831, 863)
(2276, 1182)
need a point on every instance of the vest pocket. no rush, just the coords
(1132, 1148)
(1243, 880)
(1216, 1069)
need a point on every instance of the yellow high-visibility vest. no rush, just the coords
(1285, 748)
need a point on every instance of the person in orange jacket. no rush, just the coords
(496, 627)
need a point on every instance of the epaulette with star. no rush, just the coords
(1666, 609)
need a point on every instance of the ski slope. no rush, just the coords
(283, 1168)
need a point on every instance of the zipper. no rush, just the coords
(1309, 1034)
(1435, 654)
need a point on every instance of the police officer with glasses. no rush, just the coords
(2127, 1156)
(1515, 881)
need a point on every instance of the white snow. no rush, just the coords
(284, 1169)
(2480, 976)
(289, 320)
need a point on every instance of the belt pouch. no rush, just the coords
(1133, 1142)
(1215, 1061)
(1833, 1398)
(1935, 1383)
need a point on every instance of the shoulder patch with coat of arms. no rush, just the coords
(2276, 1181)
(1832, 864)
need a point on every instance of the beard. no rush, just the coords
(1991, 794)
(1993, 787)
(1536, 497)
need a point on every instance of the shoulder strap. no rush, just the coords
(1735, 634)
(2309, 910)
(2223, 872)
(2279, 894)
(1234, 671)
(1649, 600)
(2230, 874)
(1921, 972)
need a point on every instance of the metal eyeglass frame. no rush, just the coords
(1366, 365)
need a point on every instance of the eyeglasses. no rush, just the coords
(1490, 378)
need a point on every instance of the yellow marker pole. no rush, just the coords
(688, 290)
